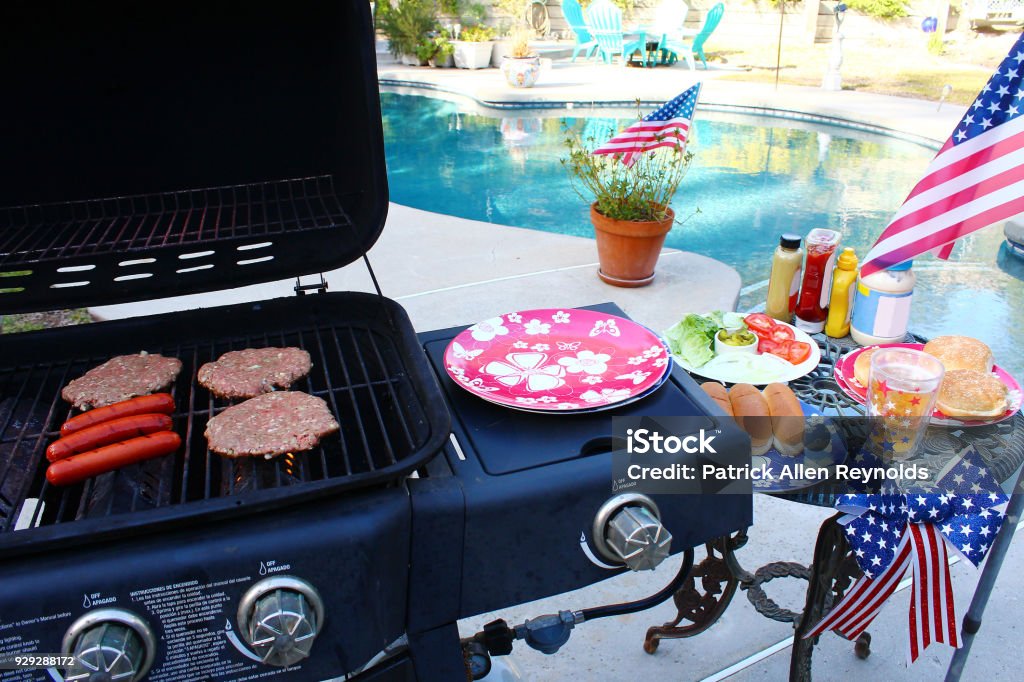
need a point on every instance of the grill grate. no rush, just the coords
(357, 369)
(45, 232)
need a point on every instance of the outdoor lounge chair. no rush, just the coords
(669, 17)
(584, 40)
(671, 49)
(605, 23)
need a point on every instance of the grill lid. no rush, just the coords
(167, 148)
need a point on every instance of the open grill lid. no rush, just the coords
(172, 147)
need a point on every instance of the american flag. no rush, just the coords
(897, 531)
(666, 126)
(976, 179)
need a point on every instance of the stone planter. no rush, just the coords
(472, 55)
(628, 251)
(521, 72)
(445, 63)
(502, 49)
(410, 59)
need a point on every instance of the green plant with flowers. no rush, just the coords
(637, 193)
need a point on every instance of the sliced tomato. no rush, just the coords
(799, 351)
(759, 323)
(782, 333)
(767, 345)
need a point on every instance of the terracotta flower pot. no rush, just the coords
(628, 251)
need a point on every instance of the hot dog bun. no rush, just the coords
(960, 352)
(787, 419)
(750, 409)
(719, 394)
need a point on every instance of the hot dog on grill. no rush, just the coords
(105, 433)
(77, 468)
(162, 403)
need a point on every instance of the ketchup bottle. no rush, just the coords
(812, 305)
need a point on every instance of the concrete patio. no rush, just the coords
(498, 268)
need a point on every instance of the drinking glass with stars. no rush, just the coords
(902, 387)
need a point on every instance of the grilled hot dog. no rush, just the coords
(162, 403)
(77, 468)
(105, 433)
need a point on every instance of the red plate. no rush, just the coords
(557, 360)
(847, 381)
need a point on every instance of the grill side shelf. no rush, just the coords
(372, 375)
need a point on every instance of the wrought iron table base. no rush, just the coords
(833, 571)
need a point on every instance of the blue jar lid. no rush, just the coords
(900, 267)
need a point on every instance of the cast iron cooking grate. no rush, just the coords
(357, 369)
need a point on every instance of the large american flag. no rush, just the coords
(976, 179)
(666, 126)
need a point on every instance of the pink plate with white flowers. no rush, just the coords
(557, 360)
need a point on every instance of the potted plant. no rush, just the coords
(442, 52)
(408, 26)
(522, 67)
(473, 49)
(630, 210)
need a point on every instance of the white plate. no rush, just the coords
(787, 372)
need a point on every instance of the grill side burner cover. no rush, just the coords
(178, 146)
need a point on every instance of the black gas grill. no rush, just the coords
(169, 148)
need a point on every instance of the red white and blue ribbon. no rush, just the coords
(896, 531)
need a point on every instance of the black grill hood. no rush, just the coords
(163, 148)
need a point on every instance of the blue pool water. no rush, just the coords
(752, 178)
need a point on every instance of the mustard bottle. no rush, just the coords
(784, 280)
(840, 304)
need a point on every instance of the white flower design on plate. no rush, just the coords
(514, 317)
(463, 354)
(637, 376)
(547, 399)
(608, 327)
(476, 384)
(488, 329)
(528, 368)
(520, 344)
(607, 395)
(568, 345)
(636, 360)
(526, 401)
(566, 406)
(561, 317)
(661, 362)
(653, 352)
(540, 347)
(591, 379)
(586, 361)
(535, 326)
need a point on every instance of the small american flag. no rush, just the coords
(666, 126)
(976, 179)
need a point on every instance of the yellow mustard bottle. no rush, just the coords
(840, 303)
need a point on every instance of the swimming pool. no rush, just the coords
(752, 179)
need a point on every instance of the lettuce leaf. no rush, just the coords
(692, 339)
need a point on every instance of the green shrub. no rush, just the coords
(407, 25)
(882, 9)
(477, 34)
(936, 45)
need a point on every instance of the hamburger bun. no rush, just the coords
(750, 409)
(969, 393)
(862, 366)
(719, 394)
(787, 419)
(960, 352)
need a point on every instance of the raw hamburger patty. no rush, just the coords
(121, 378)
(270, 424)
(250, 372)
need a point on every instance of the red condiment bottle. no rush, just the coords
(812, 305)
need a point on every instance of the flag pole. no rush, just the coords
(972, 621)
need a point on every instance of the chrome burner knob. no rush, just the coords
(628, 530)
(109, 645)
(279, 618)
